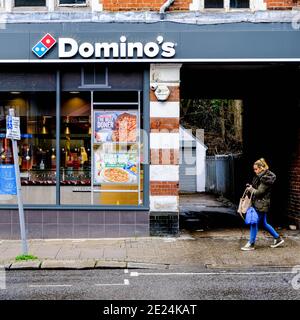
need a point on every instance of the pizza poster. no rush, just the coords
(115, 126)
(115, 168)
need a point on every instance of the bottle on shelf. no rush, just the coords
(42, 165)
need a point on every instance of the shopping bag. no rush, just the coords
(251, 216)
(245, 204)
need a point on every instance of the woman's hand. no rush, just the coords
(250, 188)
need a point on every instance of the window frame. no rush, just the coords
(226, 7)
(254, 5)
(72, 5)
(30, 7)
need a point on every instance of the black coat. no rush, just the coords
(261, 188)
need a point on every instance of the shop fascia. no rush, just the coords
(69, 47)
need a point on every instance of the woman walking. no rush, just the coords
(261, 188)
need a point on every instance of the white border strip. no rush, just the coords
(168, 109)
(164, 172)
(150, 60)
(164, 140)
(164, 203)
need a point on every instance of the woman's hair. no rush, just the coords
(261, 163)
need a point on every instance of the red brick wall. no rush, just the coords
(164, 188)
(281, 4)
(143, 5)
(180, 5)
(294, 173)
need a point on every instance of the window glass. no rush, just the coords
(30, 3)
(117, 149)
(75, 156)
(94, 75)
(72, 1)
(214, 4)
(36, 149)
(239, 4)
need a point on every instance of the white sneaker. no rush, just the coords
(277, 242)
(248, 247)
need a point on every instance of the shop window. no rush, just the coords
(36, 149)
(117, 165)
(108, 161)
(74, 2)
(30, 3)
(220, 4)
(75, 143)
(239, 4)
(94, 75)
(214, 4)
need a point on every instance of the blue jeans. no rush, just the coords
(262, 218)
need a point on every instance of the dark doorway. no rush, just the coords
(270, 116)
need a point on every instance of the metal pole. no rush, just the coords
(139, 147)
(58, 114)
(19, 193)
(92, 147)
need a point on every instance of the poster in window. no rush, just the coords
(8, 179)
(115, 126)
(115, 168)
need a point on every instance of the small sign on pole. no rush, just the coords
(13, 133)
(13, 128)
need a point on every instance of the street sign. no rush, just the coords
(13, 128)
(8, 179)
(13, 133)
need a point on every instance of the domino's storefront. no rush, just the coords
(91, 126)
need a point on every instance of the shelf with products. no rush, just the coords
(48, 177)
(70, 176)
(38, 177)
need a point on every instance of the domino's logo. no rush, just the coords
(44, 45)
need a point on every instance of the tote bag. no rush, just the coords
(245, 204)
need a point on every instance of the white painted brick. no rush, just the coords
(164, 173)
(165, 72)
(96, 6)
(165, 109)
(164, 203)
(164, 140)
(195, 5)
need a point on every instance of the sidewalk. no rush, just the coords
(215, 249)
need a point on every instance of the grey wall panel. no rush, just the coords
(187, 171)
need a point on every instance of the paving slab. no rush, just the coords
(88, 253)
(68, 264)
(113, 253)
(68, 254)
(25, 265)
(111, 264)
